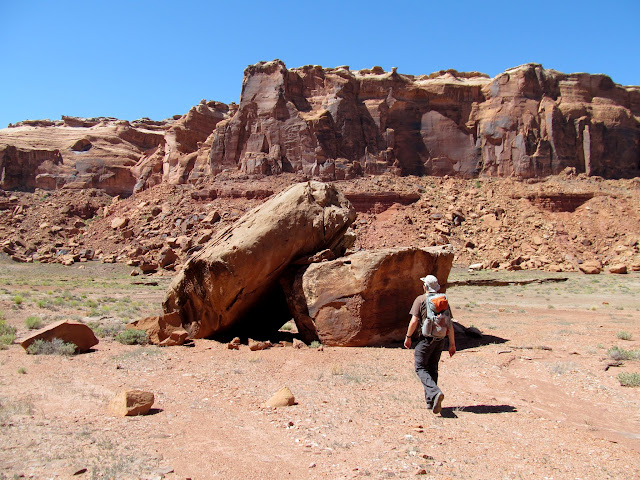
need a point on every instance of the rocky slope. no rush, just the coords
(557, 223)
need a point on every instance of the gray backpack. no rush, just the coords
(438, 316)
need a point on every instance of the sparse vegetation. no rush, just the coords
(315, 344)
(627, 379)
(22, 370)
(617, 353)
(53, 347)
(33, 322)
(7, 333)
(132, 337)
(622, 335)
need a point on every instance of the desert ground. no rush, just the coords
(536, 397)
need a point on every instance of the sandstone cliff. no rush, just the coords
(335, 123)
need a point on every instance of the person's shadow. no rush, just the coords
(450, 412)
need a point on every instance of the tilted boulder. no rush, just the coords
(364, 299)
(66, 330)
(241, 266)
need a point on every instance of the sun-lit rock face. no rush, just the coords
(337, 123)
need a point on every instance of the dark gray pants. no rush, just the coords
(427, 355)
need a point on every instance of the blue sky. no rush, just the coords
(139, 58)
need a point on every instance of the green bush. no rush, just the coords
(17, 299)
(7, 334)
(132, 337)
(33, 322)
(629, 379)
(54, 347)
(618, 353)
(622, 335)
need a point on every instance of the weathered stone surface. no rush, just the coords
(282, 398)
(67, 330)
(131, 402)
(164, 330)
(239, 268)
(526, 122)
(364, 299)
(619, 268)
(590, 268)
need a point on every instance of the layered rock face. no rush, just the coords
(241, 268)
(364, 299)
(336, 123)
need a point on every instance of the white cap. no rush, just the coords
(431, 282)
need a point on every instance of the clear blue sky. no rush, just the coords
(140, 58)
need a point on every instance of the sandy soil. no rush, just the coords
(532, 399)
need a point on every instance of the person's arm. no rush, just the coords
(452, 341)
(413, 324)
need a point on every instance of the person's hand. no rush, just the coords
(452, 350)
(407, 342)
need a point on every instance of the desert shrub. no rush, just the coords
(132, 337)
(629, 379)
(315, 344)
(622, 335)
(17, 299)
(7, 334)
(106, 331)
(618, 353)
(22, 370)
(53, 347)
(33, 322)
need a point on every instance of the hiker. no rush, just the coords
(429, 346)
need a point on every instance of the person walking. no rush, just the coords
(428, 348)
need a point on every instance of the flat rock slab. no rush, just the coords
(364, 299)
(236, 269)
(66, 330)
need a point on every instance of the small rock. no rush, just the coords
(119, 222)
(255, 345)
(131, 402)
(298, 343)
(619, 268)
(282, 398)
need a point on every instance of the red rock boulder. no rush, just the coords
(66, 330)
(364, 299)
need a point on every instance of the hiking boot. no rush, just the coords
(437, 403)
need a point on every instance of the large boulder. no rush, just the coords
(242, 265)
(66, 330)
(364, 299)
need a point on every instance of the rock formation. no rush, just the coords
(363, 299)
(239, 270)
(334, 123)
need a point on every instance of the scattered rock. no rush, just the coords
(282, 398)
(131, 402)
(590, 267)
(257, 345)
(165, 330)
(619, 268)
(119, 222)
